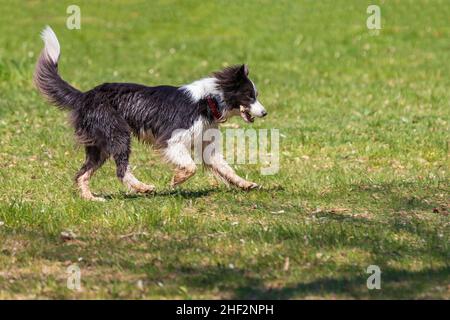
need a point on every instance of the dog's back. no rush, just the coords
(155, 111)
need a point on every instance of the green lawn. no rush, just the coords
(364, 174)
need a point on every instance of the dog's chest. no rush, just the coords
(200, 129)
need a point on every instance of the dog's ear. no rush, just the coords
(243, 70)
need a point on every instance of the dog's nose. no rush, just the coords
(264, 113)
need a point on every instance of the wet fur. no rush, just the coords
(105, 117)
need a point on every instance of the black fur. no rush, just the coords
(236, 86)
(55, 89)
(112, 111)
(105, 117)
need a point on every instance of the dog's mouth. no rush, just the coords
(245, 114)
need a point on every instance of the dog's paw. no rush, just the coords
(247, 185)
(143, 188)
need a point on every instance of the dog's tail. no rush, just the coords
(46, 77)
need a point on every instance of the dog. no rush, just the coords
(105, 118)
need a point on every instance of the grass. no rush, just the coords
(364, 152)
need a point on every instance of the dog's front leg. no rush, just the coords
(179, 155)
(221, 169)
(182, 174)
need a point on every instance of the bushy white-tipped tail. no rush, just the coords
(52, 48)
(46, 76)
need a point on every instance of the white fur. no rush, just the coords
(254, 87)
(179, 146)
(52, 48)
(129, 179)
(202, 88)
(133, 184)
(179, 155)
(257, 109)
(185, 136)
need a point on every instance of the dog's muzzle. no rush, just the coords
(254, 110)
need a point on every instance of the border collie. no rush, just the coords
(105, 117)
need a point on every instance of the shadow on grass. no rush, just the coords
(402, 284)
(393, 194)
(184, 193)
(257, 280)
(162, 256)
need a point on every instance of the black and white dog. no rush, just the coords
(105, 117)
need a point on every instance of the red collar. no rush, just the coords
(212, 104)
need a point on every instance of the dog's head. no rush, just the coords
(239, 93)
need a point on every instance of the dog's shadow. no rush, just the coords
(183, 193)
(186, 194)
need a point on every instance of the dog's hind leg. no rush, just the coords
(185, 167)
(124, 173)
(133, 184)
(95, 158)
